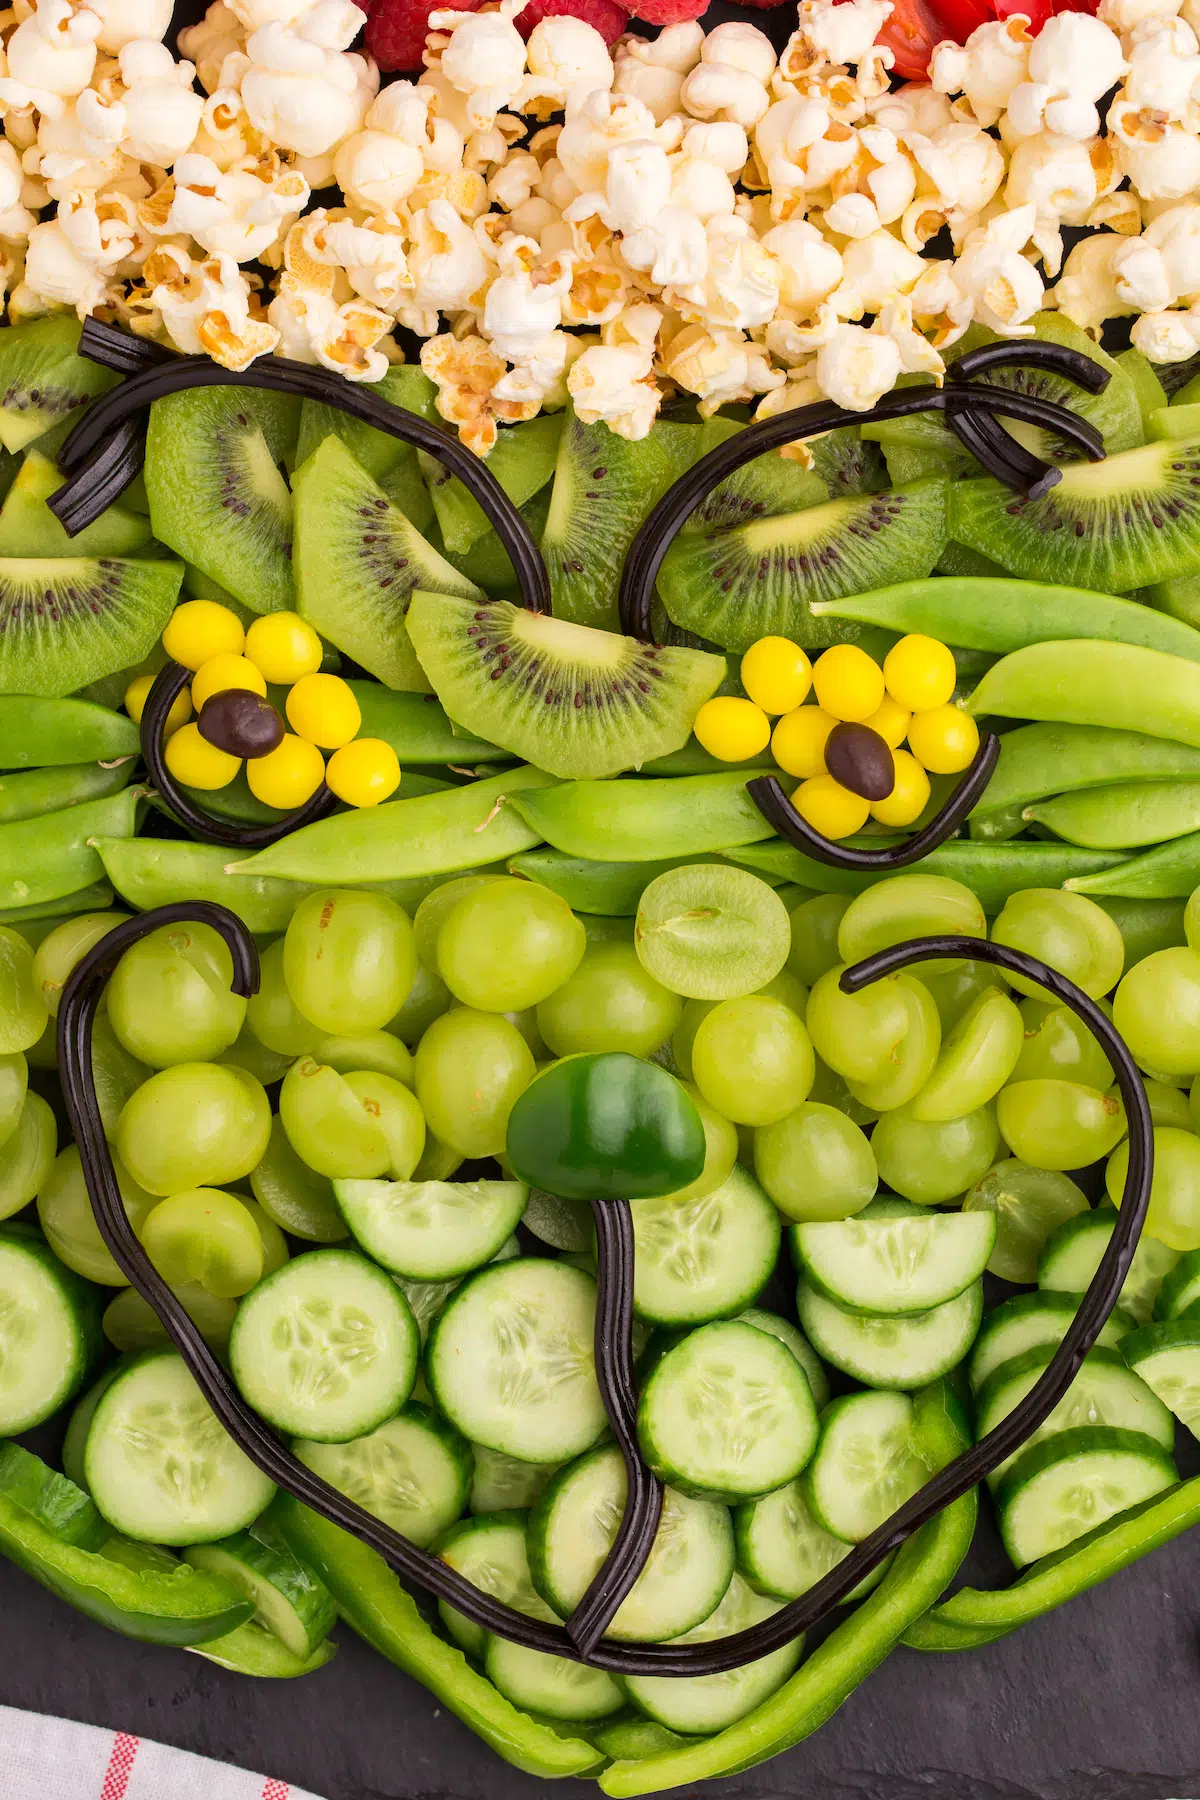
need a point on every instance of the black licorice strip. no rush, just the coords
(80, 998)
(122, 351)
(169, 683)
(768, 795)
(986, 438)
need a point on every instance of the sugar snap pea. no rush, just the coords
(1145, 925)
(645, 821)
(1003, 615)
(1170, 872)
(993, 872)
(37, 733)
(417, 728)
(610, 889)
(237, 803)
(51, 856)
(96, 897)
(1084, 682)
(34, 791)
(432, 835)
(1125, 816)
(693, 759)
(1039, 760)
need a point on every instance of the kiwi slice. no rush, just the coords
(1112, 526)
(757, 580)
(43, 378)
(358, 560)
(65, 621)
(217, 496)
(571, 700)
(376, 451)
(956, 559)
(848, 463)
(522, 460)
(770, 484)
(487, 562)
(1146, 385)
(28, 527)
(905, 463)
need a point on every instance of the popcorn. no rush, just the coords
(985, 70)
(874, 270)
(235, 213)
(300, 90)
(1004, 288)
(466, 373)
(16, 220)
(565, 55)
(595, 124)
(124, 20)
(1167, 337)
(1087, 290)
(371, 255)
(730, 80)
(1073, 61)
(56, 275)
(157, 115)
(615, 383)
(539, 379)
(1164, 70)
(723, 143)
(741, 284)
(207, 307)
(856, 368)
(51, 56)
(653, 72)
(962, 168)
(218, 35)
(484, 59)
(447, 264)
(524, 302)
(839, 33)
(1160, 157)
(809, 266)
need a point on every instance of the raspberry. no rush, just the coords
(671, 12)
(605, 15)
(396, 30)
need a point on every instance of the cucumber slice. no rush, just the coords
(551, 1685)
(251, 1650)
(431, 1230)
(49, 1330)
(1167, 1357)
(797, 1343)
(905, 1350)
(1068, 1485)
(414, 1472)
(490, 1551)
(509, 1360)
(704, 1258)
(708, 1703)
(866, 1465)
(1105, 1392)
(1026, 1320)
(159, 1464)
(727, 1413)
(893, 1262)
(782, 1551)
(426, 1298)
(289, 1600)
(1072, 1256)
(571, 1530)
(1180, 1290)
(80, 1423)
(326, 1348)
(505, 1483)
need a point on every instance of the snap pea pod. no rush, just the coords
(238, 804)
(1039, 760)
(610, 889)
(1146, 925)
(998, 826)
(51, 856)
(1079, 682)
(1126, 816)
(1002, 615)
(433, 835)
(645, 821)
(416, 727)
(372, 1602)
(993, 872)
(36, 791)
(693, 759)
(981, 1615)
(96, 897)
(923, 1568)
(1170, 872)
(37, 733)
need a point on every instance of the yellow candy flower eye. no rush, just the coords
(322, 708)
(909, 796)
(776, 674)
(363, 773)
(830, 808)
(284, 647)
(798, 742)
(195, 762)
(225, 671)
(848, 682)
(137, 694)
(943, 740)
(199, 629)
(288, 776)
(732, 729)
(919, 672)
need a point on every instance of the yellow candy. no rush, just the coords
(199, 629)
(137, 694)
(284, 647)
(225, 671)
(288, 776)
(943, 740)
(364, 773)
(195, 762)
(798, 742)
(919, 672)
(732, 729)
(322, 708)
(776, 674)
(848, 682)
(830, 808)
(891, 722)
(910, 793)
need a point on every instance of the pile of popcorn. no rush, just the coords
(692, 214)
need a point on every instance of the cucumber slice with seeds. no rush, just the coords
(431, 1230)
(783, 1551)
(709, 1703)
(414, 1472)
(888, 1261)
(505, 1483)
(866, 1464)
(1070, 1484)
(49, 1330)
(905, 1350)
(490, 1552)
(704, 1258)
(1167, 1357)
(1180, 1290)
(550, 1685)
(289, 1600)
(1027, 1320)
(1072, 1256)
(1105, 1392)
(797, 1343)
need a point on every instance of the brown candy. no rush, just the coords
(241, 723)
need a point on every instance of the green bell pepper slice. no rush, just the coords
(251, 1650)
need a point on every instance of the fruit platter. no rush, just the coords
(599, 843)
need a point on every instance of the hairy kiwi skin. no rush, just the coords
(571, 700)
(43, 379)
(66, 621)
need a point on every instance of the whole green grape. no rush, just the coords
(507, 944)
(1058, 1045)
(526, 1023)
(66, 945)
(1059, 1124)
(398, 1114)
(438, 1161)
(720, 1149)
(205, 1237)
(273, 1016)
(327, 1125)
(131, 1323)
(66, 1217)
(382, 1051)
(1156, 1009)
(193, 1125)
(245, 1052)
(349, 959)
(1173, 1216)
(975, 1061)
(436, 908)
(471, 1068)
(956, 987)
(27, 1157)
(14, 1084)
(829, 1089)
(815, 925)
(1030, 1204)
(170, 999)
(116, 1075)
(22, 1008)
(428, 999)
(610, 1003)
(295, 1196)
(752, 1059)
(933, 1161)
(816, 1163)
(275, 1246)
(1069, 932)
(858, 1035)
(913, 1056)
(1168, 1105)
(907, 906)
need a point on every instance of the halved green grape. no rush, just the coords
(976, 1059)
(204, 1237)
(956, 987)
(752, 1059)
(116, 1074)
(816, 1163)
(914, 1057)
(1029, 1205)
(27, 1157)
(195, 1125)
(506, 944)
(295, 1196)
(720, 1153)
(858, 1035)
(14, 1085)
(610, 1003)
(273, 1016)
(1058, 1045)
(170, 999)
(1068, 931)
(428, 999)
(1156, 1009)
(65, 1215)
(62, 948)
(471, 1069)
(22, 1008)
(907, 906)
(815, 925)
(1059, 1124)
(436, 908)
(349, 959)
(131, 1323)
(711, 932)
(327, 1125)
(397, 1111)
(932, 1162)
(1173, 1216)
(381, 1051)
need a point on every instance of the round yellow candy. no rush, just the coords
(284, 647)
(910, 792)
(890, 721)
(732, 729)
(798, 741)
(225, 671)
(288, 775)
(944, 739)
(199, 629)
(829, 807)
(919, 672)
(137, 694)
(195, 762)
(776, 674)
(322, 708)
(848, 682)
(363, 773)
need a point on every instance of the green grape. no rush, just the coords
(428, 999)
(327, 1125)
(858, 1035)
(194, 1125)
(295, 1196)
(116, 1074)
(1069, 932)
(131, 1323)
(245, 1052)
(65, 1214)
(790, 989)
(684, 1034)
(1168, 1104)
(711, 932)
(169, 999)
(66, 945)
(349, 960)
(382, 1051)
(907, 906)
(975, 1060)
(932, 1162)
(27, 1158)
(205, 1238)
(44, 1054)
(1173, 1216)
(14, 1084)
(397, 1112)
(272, 1015)
(1058, 1045)
(436, 908)
(720, 1149)
(22, 1008)
(275, 1248)
(1194, 1105)
(472, 1067)
(814, 936)
(829, 1089)
(526, 1023)
(914, 1059)
(438, 1161)
(752, 1059)
(1191, 920)
(610, 1003)
(1030, 1204)
(1156, 1009)
(1059, 1124)
(956, 987)
(506, 944)
(816, 1163)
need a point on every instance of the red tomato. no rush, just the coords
(1038, 11)
(917, 25)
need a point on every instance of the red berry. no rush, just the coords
(671, 12)
(396, 30)
(605, 15)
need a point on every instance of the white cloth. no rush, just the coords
(56, 1759)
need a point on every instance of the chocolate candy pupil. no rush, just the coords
(861, 760)
(241, 723)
